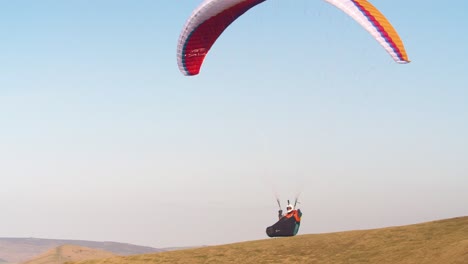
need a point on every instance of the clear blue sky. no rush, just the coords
(102, 138)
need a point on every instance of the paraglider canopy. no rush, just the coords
(212, 17)
(203, 28)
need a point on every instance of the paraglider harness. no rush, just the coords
(287, 225)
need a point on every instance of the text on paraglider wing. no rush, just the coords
(196, 53)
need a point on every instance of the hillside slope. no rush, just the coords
(17, 250)
(67, 253)
(444, 242)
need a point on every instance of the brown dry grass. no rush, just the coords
(68, 253)
(444, 242)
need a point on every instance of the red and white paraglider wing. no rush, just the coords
(204, 27)
(376, 24)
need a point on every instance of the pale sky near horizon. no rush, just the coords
(102, 138)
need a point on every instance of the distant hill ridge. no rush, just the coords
(67, 253)
(18, 250)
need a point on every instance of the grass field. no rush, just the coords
(67, 253)
(444, 242)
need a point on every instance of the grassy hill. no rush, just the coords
(18, 250)
(444, 242)
(68, 253)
